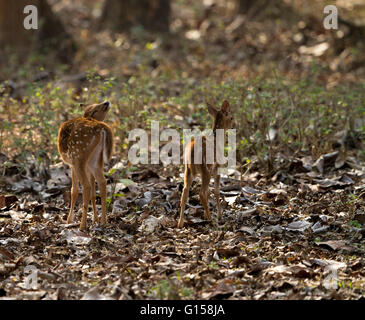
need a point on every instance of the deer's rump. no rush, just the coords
(64, 135)
(79, 136)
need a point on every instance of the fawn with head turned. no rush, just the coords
(222, 119)
(85, 144)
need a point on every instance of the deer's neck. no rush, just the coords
(214, 130)
(214, 134)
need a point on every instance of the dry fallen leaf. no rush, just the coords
(336, 245)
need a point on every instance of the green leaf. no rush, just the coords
(127, 182)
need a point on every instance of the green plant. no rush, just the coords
(355, 223)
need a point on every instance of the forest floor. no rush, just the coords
(293, 224)
(302, 239)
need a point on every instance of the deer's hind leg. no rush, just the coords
(217, 191)
(204, 192)
(185, 195)
(86, 193)
(96, 168)
(74, 193)
(99, 176)
(93, 198)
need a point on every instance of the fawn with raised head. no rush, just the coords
(85, 144)
(222, 119)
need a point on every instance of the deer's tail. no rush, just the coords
(108, 142)
(63, 136)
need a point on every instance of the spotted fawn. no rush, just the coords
(222, 119)
(85, 144)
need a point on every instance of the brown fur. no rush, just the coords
(109, 142)
(221, 120)
(86, 128)
(82, 146)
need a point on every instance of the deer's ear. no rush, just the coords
(225, 106)
(213, 111)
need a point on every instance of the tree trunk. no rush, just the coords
(253, 8)
(121, 15)
(50, 33)
(12, 31)
(245, 5)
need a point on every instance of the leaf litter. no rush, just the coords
(280, 240)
